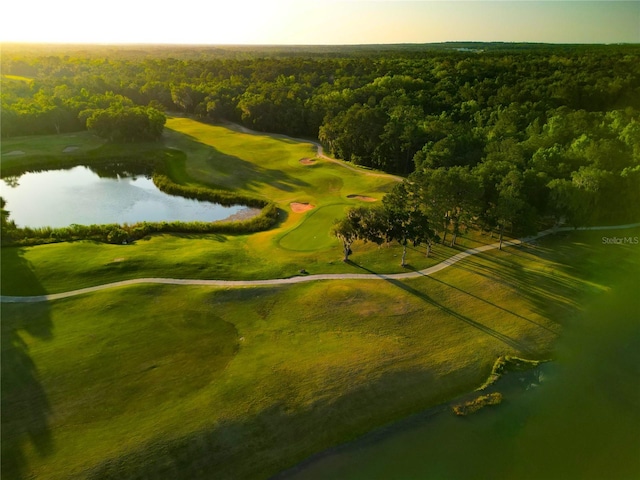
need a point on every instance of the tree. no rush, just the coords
(345, 230)
(406, 222)
(8, 226)
(186, 96)
(510, 203)
(127, 124)
(581, 200)
(353, 135)
(449, 197)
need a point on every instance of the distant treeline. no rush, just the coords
(558, 123)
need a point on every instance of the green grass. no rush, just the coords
(165, 381)
(312, 233)
(251, 164)
(170, 382)
(38, 145)
(265, 165)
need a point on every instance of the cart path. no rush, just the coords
(306, 278)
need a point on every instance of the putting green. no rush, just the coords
(312, 233)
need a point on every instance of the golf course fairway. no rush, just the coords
(195, 381)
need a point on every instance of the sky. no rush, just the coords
(313, 22)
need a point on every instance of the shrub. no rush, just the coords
(476, 404)
(117, 235)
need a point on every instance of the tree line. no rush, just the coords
(523, 134)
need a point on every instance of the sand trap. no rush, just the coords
(14, 152)
(362, 198)
(70, 148)
(307, 161)
(300, 207)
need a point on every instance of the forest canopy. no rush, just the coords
(551, 130)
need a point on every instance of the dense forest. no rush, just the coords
(491, 135)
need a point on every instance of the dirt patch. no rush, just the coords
(244, 214)
(307, 161)
(14, 152)
(70, 148)
(300, 207)
(362, 198)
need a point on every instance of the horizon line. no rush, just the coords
(187, 44)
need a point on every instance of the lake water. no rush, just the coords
(575, 418)
(58, 198)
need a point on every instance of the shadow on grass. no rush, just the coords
(427, 299)
(553, 293)
(16, 274)
(24, 403)
(483, 328)
(247, 175)
(278, 437)
(448, 285)
(270, 440)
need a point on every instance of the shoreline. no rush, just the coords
(509, 382)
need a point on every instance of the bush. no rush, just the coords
(117, 235)
(476, 404)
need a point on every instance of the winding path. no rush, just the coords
(307, 278)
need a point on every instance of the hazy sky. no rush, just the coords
(319, 22)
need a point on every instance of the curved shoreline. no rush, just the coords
(506, 383)
(307, 278)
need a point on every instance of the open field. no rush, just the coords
(156, 381)
(245, 382)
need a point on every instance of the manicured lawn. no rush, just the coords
(38, 145)
(257, 165)
(265, 165)
(179, 382)
(183, 381)
(312, 233)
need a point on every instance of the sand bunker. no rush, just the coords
(300, 207)
(307, 161)
(70, 148)
(362, 198)
(14, 152)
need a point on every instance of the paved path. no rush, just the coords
(306, 278)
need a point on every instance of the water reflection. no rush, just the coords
(105, 194)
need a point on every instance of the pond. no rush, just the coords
(59, 198)
(576, 417)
